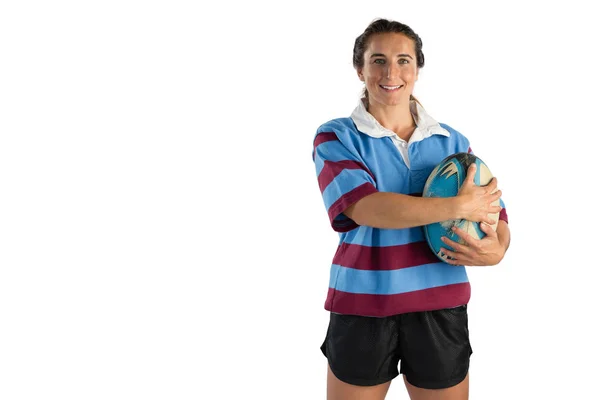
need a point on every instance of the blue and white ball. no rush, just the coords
(444, 181)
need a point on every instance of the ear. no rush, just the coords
(360, 74)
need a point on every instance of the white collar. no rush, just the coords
(426, 125)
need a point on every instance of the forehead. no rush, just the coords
(393, 43)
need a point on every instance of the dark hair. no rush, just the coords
(385, 26)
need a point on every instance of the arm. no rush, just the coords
(503, 233)
(351, 197)
(397, 211)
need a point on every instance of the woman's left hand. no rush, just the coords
(482, 252)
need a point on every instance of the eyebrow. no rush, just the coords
(383, 55)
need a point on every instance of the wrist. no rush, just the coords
(456, 211)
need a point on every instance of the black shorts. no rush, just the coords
(432, 348)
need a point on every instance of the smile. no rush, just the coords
(390, 88)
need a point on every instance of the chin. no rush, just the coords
(394, 102)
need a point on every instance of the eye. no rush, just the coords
(379, 61)
(403, 61)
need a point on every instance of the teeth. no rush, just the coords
(390, 87)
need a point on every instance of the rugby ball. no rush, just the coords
(444, 181)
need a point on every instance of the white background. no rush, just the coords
(162, 235)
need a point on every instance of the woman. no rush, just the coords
(391, 301)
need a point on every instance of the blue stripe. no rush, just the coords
(331, 151)
(396, 281)
(346, 181)
(367, 236)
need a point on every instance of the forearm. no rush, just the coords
(503, 234)
(396, 211)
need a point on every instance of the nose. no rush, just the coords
(391, 69)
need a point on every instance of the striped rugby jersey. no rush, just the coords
(382, 272)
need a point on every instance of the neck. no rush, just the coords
(397, 118)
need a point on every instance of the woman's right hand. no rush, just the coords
(476, 202)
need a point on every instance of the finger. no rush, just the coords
(458, 247)
(454, 258)
(488, 230)
(489, 218)
(492, 185)
(449, 256)
(488, 221)
(497, 194)
(494, 209)
(471, 173)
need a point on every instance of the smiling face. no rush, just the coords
(389, 69)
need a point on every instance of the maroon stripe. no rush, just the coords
(384, 258)
(503, 216)
(344, 225)
(322, 138)
(341, 204)
(377, 305)
(469, 150)
(331, 169)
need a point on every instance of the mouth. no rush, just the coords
(391, 88)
